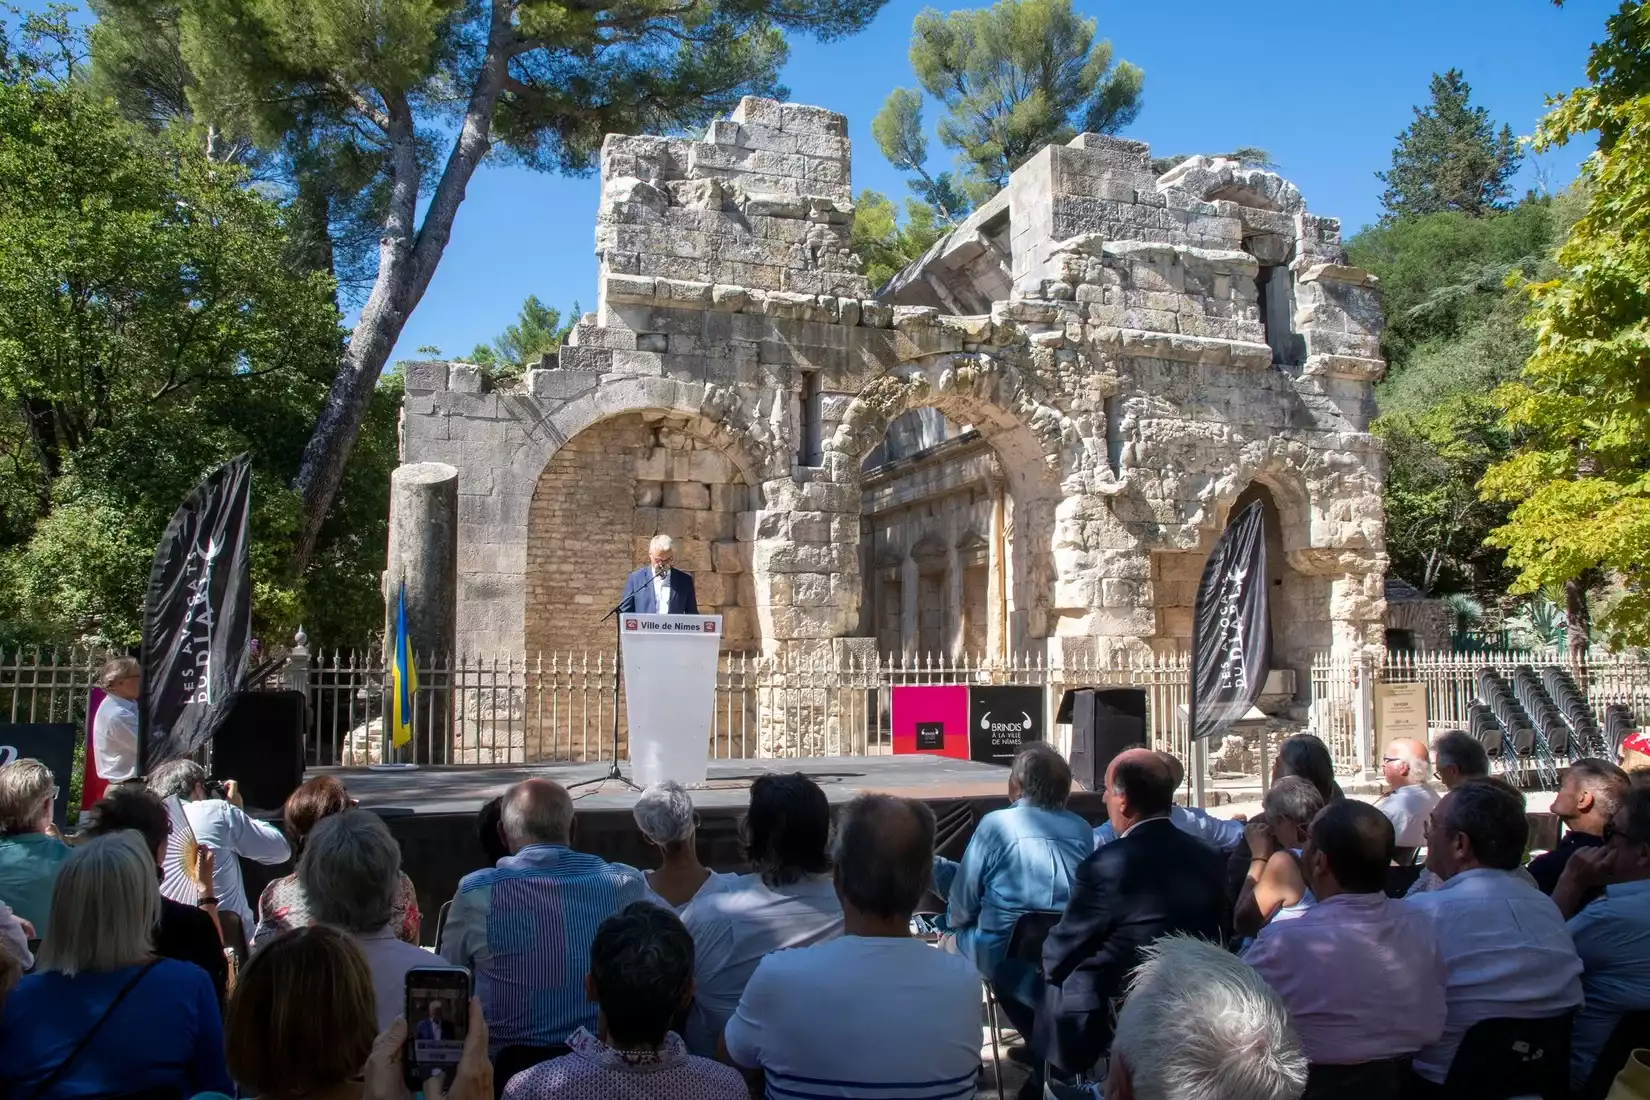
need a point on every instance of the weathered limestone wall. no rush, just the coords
(1134, 352)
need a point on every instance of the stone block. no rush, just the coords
(709, 466)
(465, 378)
(649, 494)
(730, 556)
(687, 494)
(424, 375)
(656, 342)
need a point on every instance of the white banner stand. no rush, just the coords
(670, 694)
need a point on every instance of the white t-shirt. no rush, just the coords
(1408, 808)
(860, 1018)
(734, 925)
(114, 739)
(229, 832)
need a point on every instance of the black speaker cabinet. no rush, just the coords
(261, 746)
(1104, 722)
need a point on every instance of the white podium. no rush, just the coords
(670, 694)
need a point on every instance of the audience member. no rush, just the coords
(664, 814)
(219, 824)
(115, 729)
(1457, 757)
(283, 903)
(873, 1012)
(1275, 887)
(31, 852)
(1305, 755)
(1506, 951)
(15, 934)
(187, 933)
(351, 873)
(1199, 1025)
(490, 830)
(1362, 974)
(1406, 768)
(102, 1016)
(1020, 859)
(641, 978)
(1586, 801)
(1611, 934)
(788, 901)
(1639, 776)
(1223, 832)
(1153, 881)
(303, 1017)
(523, 928)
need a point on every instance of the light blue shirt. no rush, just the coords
(1019, 859)
(524, 929)
(1222, 832)
(1612, 936)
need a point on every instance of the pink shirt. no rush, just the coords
(1362, 975)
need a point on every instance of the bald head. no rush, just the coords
(1139, 785)
(1177, 770)
(1406, 763)
(536, 811)
(884, 855)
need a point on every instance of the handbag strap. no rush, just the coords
(85, 1040)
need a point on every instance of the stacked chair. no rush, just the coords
(1530, 752)
(1566, 694)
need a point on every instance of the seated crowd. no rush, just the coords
(1169, 955)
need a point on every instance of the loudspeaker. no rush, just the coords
(261, 746)
(1104, 722)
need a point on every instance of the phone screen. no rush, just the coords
(438, 1015)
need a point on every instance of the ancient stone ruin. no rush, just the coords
(1026, 443)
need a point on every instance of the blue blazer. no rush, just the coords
(638, 594)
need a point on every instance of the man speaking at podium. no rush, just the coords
(659, 588)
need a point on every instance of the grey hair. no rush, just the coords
(25, 788)
(884, 854)
(664, 813)
(1043, 776)
(1200, 1024)
(105, 906)
(1293, 799)
(659, 543)
(1606, 782)
(350, 871)
(116, 670)
(179, 777)
(536, 811)
(1460, 749)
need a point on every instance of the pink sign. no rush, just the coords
(931, 719)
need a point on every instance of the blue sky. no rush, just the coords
(1324, 85)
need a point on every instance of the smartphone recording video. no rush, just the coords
(438, 1016)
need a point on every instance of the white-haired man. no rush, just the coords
(1198, 1023)
(659, 588)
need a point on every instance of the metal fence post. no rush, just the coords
(297, 664)
(1364, 713)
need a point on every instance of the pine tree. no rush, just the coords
(1450, 157)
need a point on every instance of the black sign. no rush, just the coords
(51, 744)
(930, 735)
(1001, 719)
(197, 618)
(1231, 630)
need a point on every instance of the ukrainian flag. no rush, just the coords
(403, 676)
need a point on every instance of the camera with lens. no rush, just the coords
(215, 788)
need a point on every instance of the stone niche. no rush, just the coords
(602, 498)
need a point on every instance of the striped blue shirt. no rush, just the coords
(524, 929)
(861, 1018)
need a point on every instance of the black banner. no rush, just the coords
(1000, 720)
(1232, 630)
(53, 745)
(197, 618)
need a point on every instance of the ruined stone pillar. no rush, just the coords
(423, 553)
(909, 583)
(954, 602)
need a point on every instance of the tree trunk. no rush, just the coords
(1578, 627)
(405, 266)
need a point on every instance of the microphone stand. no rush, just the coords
(613, 773)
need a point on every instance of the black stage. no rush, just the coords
(431, 810)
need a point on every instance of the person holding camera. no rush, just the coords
(217, 823)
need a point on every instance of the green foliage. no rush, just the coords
(887, 244)
(150, 329)
(1012, 78)
(1579, 479)
(1450, 157)
(538, 329)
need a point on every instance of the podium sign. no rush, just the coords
(670, 694)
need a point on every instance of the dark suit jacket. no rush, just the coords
(187, 934)
(1155, 881)
(638, 594)
(427, 1030)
